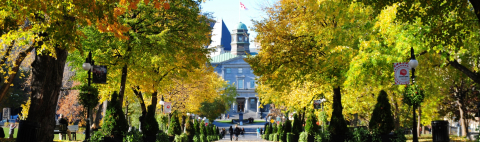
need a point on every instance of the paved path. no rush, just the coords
(250, 131)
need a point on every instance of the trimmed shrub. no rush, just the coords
(311, 126)
(134, 136)
(288, 126)
(275, 137)
(360, 135)
(178, 138)
(382, 118)
(196, 138)
(303, 137)
(174, 128)
(114, 122)
(289, 137)
(215, 130)
(196, 126)
(203, 138)
(270, 137)
(400, 136)
(162, 137)
(189, 129)
(274, 128)
(203, 131)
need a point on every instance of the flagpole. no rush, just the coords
(239, 9)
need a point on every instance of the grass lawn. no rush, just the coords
(258, 121)
(224, 121)
(428, 138)
(80, 137)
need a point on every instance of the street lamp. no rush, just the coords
(87, 66)
(413, 64)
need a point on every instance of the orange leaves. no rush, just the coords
(166, 6)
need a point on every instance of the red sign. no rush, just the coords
(401, 73)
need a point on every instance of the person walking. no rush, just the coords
(258, 132)
(237, 132)
(12, 130)
(231, 132)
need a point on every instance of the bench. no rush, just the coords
(62, 129)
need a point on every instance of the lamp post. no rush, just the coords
(88, 66)
(413, 64)
(162, 102)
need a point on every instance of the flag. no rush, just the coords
(243, 6)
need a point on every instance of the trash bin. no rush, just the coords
(440, 131)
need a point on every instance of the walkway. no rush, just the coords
(250, 131)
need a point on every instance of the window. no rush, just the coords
(252, 83)
(240, 38)
(240, 84)
(253, 103)
(246, 39)
(240, 70)
(228, 70)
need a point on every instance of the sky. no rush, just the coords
(229, 10)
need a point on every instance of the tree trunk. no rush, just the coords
(122, 86)
(98, 114)
(47, 74)
(462, 122)
(397, 118)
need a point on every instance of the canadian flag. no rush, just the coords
(243, 6)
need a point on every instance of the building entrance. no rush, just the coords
(241, 104)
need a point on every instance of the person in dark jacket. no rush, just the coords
(243, 132)
(237, 132)
(231, 132)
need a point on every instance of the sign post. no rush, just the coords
(167, 107)
(402, 75)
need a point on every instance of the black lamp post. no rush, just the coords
(413, 64)
(88, 65)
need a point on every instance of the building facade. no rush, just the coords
(228, 61)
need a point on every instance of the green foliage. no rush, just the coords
(311, 126)
(360, 135)
(114, 122)
(220, 105)
(214, 130)
(274, 129)
(303, 137)
(134, 136)
(189, 128)
(270, 137)
(181, 138)
(196, 138)
(400, 136)
(275, 137)
(162, 137)
(88, 95)
(288, 126)
(280, 129)
(97, 136)
(323, 136)
(203, 138)
(270, 129)
(202, 128)
(196, 126)
(162, 119)
(290, 137)
(212, 138)
(175, 128)
(382, 117)
(413, 95)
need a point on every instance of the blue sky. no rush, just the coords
(228, 10)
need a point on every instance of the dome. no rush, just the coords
(242, 26)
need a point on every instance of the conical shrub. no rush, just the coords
(382, 118)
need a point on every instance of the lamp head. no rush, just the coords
(413, 63)
(162, 102)
(86, 66)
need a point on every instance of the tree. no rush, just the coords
(220, 105)
(203, 130)
(382, 118)
(51, 27)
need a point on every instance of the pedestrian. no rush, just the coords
(64, 123)
(258, 132)
(11, 132)
(237, 132)
(231, 132)
(261, 131)
(228, 116)
(243, 132)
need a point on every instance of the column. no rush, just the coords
(258, 105)
(233, 106)
(246, 105)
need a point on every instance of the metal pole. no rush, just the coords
(415, 135)
(87, 134)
